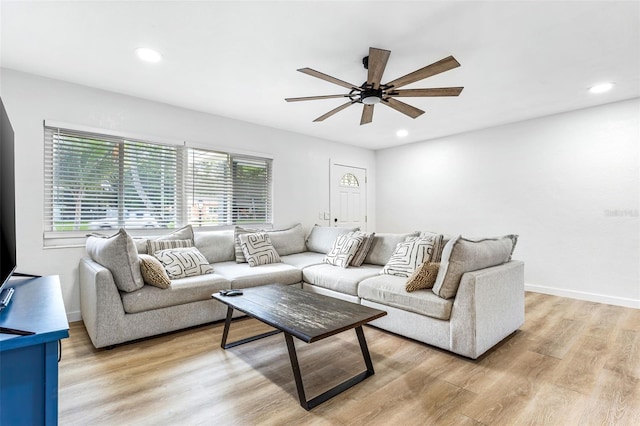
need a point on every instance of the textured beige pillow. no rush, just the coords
(153, 272)
(423, 277)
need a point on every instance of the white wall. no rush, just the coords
(301, 163)
(568, 184)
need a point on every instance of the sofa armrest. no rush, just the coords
(488, 307)
(100, 302)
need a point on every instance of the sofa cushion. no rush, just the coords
(321, 238)
(363, 249)
(383, 246)
(408, 255)
(237, 231)
(304, 259)
(216, 246)
(183, 290)
(423, 277)
(241, 275)
(156, 245)
(257, 249)
(339, 279)
(462, 255)
(119, 255)
(153, 273)
(440, 240)
(344, 249)
(390, 290)
(183, 262)
(288, 241)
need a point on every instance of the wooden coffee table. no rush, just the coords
(309, 317)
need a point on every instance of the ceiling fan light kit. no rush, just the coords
(372, 92)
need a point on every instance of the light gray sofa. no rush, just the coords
(488, 306)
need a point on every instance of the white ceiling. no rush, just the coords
(238, 59)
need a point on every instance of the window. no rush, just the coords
(97, 182)
(349, 179)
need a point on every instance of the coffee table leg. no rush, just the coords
(314, 402)
(227, 324)
(365, 350)
(293, 357)
(225, 333)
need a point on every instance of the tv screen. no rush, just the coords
(7, 199)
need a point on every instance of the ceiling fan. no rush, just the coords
(372, 92)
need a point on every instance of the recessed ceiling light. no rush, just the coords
(402, 133)
(601, 88)
(148, 55)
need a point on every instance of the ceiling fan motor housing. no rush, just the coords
(370, 96)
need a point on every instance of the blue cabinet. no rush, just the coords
(29, 364)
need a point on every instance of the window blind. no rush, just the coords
(98, 182)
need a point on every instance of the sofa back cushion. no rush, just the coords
(383, 246)
(216, 246)
(288, 241)
(119, 255)
(462, 255)
(321, 238)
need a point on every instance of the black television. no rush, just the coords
(7, 200)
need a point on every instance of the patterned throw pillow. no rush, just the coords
(344, 249)
(363, 249)
(157, 245)
(153, 272)
(408, 255)
(237, 244)
(423, 277)
(257, 249)
(183, 262)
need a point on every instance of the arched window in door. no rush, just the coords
(349, 180)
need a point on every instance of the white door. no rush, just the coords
(348, 196)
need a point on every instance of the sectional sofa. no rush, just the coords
(487, 306)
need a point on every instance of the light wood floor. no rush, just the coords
(572, 363)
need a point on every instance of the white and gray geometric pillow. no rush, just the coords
(237, 231)
(344, 249)
(408, 255)
(183, 262)
(257, 249)
(157, 245)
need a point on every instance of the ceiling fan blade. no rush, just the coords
(406, 109)
(377, 63)
(367, 114)
(328, 78)
(312, 98)
(333, 111)
(441, 91)
(442, 65)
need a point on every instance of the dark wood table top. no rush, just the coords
(303, 314)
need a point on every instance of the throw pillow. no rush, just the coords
(344, 249)
(321, 238)
(408, 255)
(156, 245)
(363, 249)
(119, 255)
(462, 255)
(183, 262)
(153, 272)
(257, 249)
(437, 247)
(236, 241)
(184, 233)
(423, 277)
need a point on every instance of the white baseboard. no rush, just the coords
(580, 295)
(74, 316)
